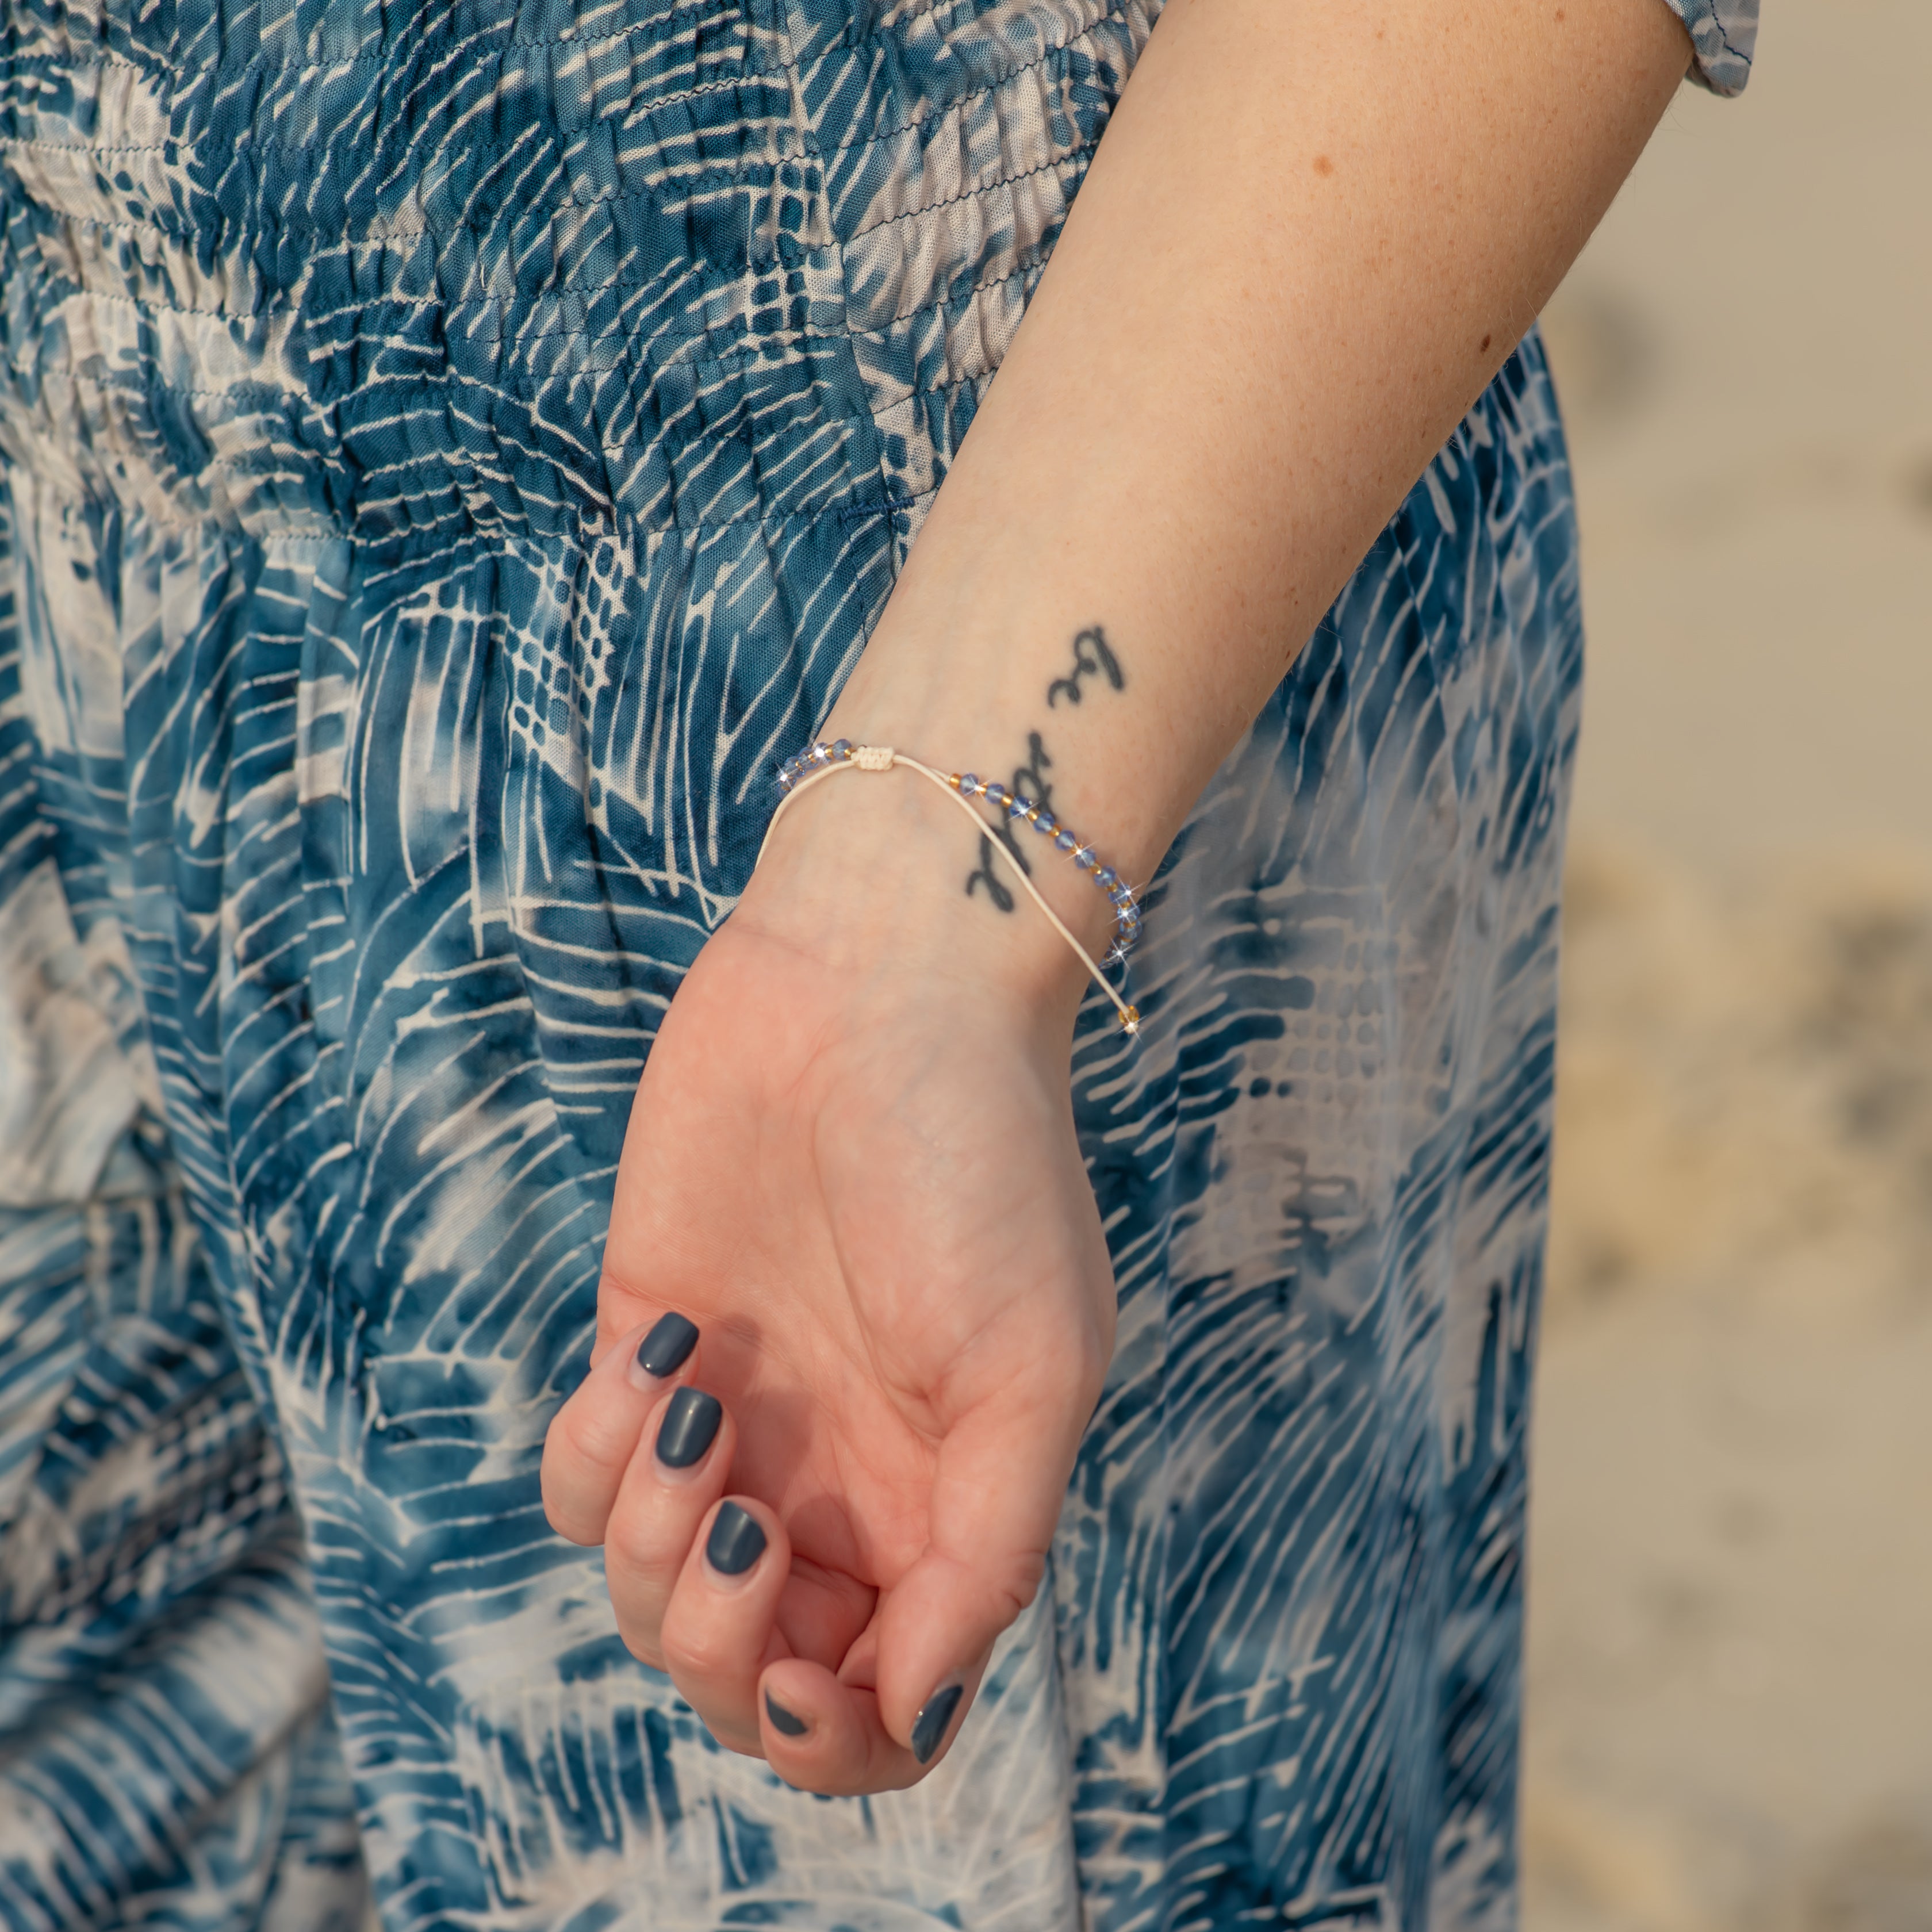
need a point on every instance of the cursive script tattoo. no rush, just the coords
(1091, 659)
(984, 874)
(1030, 781)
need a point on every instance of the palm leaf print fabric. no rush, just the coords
(448, 456)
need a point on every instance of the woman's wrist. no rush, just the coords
(878, 877)
(1063, 710)
(1058, 710)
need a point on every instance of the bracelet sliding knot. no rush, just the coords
(820, 760)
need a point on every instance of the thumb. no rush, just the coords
(997, 1487)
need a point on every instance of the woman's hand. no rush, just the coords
(852, 1164)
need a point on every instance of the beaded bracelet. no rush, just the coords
(820, 761)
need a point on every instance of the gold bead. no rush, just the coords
(1130, 1020)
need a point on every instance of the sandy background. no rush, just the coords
(1730, 1704)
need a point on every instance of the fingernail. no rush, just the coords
(736, 1540)
(928, 1729)
(792, 1725)
(667, 1347)
(689, 1426)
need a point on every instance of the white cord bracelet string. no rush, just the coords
(822, 761)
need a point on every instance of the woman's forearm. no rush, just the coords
(1310, 237)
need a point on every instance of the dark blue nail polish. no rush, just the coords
(689, 1427)
(929, 1730)
(791, 1725)
(736, 1540)
(667, 1347)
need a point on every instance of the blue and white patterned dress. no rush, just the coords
(449, 455)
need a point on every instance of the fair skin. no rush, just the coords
(1308, 238)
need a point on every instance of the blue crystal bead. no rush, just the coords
(996, 794)
(1106, 878)
(968, 784)
(1084, 857)
(1121, 896)
(842, 748)
(1046, 825)
(1064, 841)
(1016, 806)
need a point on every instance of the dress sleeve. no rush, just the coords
(1723, 34)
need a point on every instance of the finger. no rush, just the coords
(721, 1627)
(824, 1735)
(621, 1311)
(678, 1472)
(593, 1436)
(823, 1611)
(998, 1488)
